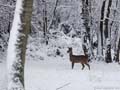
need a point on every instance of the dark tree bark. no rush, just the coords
(107, 19)
(108, 57)
(45, 22)
(87, 35)
(118, 51)
(101, 24)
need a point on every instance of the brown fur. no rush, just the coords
(83, 59)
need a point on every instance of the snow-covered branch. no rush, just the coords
(7, 5)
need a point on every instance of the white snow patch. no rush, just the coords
(12, 50)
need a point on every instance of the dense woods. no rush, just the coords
(57, 25)
(98, 25)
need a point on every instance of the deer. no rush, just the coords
(83, 59)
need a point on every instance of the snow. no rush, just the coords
(12, 50)
(52, 75)
(44, 70)
(14, 34)
(56, 74)
(3, 76)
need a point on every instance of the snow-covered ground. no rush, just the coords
(3, 76)
(44, 70)
(56, 74)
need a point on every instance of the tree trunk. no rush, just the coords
(17, 44)
(87, 35)
(118, 52)
(101, 24)
(116, 34)
(85, 14)
(54, 20)
(45, 27)
(107, 32)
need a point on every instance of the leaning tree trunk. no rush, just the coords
(17, 44)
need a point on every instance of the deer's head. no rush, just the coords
(69, 50)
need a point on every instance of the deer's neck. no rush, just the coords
(70, 54)
(86, 55)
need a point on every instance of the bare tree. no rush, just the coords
(53, 19)
(107, 32)
(100, 32)
(17, 44)
(87, 38)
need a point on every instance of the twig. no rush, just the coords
(63, 86)
(7, 5)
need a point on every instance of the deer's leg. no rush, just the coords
(83, 66)
(72, 65)
(88, 65)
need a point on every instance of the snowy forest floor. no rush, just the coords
(58, 75)
(44, 70)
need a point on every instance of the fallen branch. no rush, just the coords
(63, 86)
